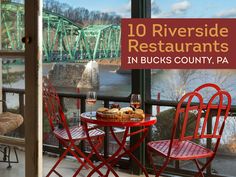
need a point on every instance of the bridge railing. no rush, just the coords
(175, 168)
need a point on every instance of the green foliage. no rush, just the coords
(81, 15)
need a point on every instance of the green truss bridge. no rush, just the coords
(63, 40)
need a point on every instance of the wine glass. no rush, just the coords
(135, 101)
(91, 99)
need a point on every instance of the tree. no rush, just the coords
(81, 15)
(175, 83)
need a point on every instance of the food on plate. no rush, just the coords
(126, 110)
(113, 110)
(102, 109)
(138, 111)
(122, 114)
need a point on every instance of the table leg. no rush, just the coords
(129, 151)
(105, 162)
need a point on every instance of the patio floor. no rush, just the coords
(69, 165)
(67, 168)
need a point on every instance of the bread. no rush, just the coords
(125, 117)
(102, 109)
(123, 114)
(139, 116)
(113, 110)
(126, 110)
(138, 111)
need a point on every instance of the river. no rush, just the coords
(170, 83)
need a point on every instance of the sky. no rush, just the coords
(165, 8)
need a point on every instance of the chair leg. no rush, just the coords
(203, 167)
(151, 161)
(199, 168)
(89, 156)
(17, 159)
(5, 154)
(57, 163)
(87, 159)
(157, 172)
(162, 168)
(9, 157)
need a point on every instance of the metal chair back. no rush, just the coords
(53, 108)
(218, 107)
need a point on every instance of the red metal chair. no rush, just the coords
(182, 147)
(69, 137)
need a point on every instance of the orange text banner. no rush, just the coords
(178, 44)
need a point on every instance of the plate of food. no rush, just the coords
(120, 114)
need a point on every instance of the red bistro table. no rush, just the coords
(144, 125)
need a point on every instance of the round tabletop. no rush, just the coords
(91, 118)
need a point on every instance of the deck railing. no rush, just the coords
(106, 101)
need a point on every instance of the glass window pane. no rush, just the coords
(85, 33)
(12, 98)
(172, 84)
(12, 25)
(81, 44)
(13, 85)
(12, 81)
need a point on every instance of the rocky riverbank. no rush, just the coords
(108, 61)
(75, 75)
